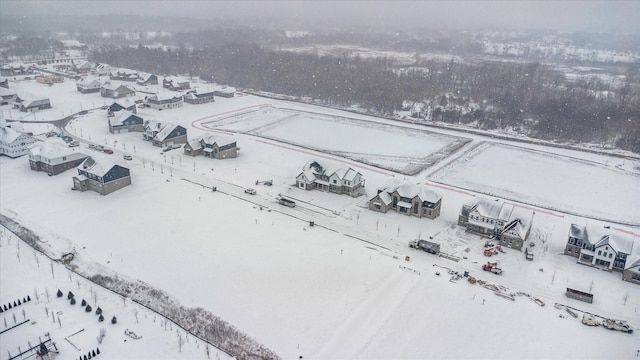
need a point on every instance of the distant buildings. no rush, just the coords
(175, 83)
(507, 223)
(406, 198)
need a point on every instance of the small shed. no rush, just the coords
(579, 295)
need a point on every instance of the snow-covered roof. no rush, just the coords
(110, 85)
(176, 79)
(488, 208)
(119, 117)
(166, 95)
(124, 102)
(153, 125)
(91, 166)
(8, 135)
(221, 140)
(7, 92)
(88, 80)
(27, 103)
(194, 144)
(201, 90)
(409, 190)
(578, 232)
(162, 135)
(50, 149)
(616, 242)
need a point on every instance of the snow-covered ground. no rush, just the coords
(340, 289)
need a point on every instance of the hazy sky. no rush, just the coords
(620, 16)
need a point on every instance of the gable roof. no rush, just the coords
(50, 149)
(91, 166)
(166, 131)
(8, 135)
(409, 190)
(121, 116)
(218, 139)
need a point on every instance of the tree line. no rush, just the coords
(534, 97)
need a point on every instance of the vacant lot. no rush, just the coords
(394, 148)
(547, 180)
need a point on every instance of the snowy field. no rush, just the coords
(137, 334)
(577, 186)
(400, 149)
(341, 289)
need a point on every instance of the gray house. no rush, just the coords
(406, 198)
(32, 105)
(164, 100)
(606, 249)
(122, 104)
(339, 180)
(53, 157)
(125, 121)
(199, 95)
(508, 223)
(103, 178)
(88, 85)
(115, 90)
(213, 146)
(170, 134)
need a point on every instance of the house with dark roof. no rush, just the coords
(508, 223)
(13, 143)
(115, 90)
(164, 100)
(606, 249)
(125, 121)
(101, 177)
(53, 157)
(339, 180)
(169, 135)
(213, 146)
(121, 104)
(199, 95)
(88, 85)
(406, 198)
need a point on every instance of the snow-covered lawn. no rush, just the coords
(577, 186)
(339, 289)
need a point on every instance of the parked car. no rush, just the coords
(127, 157)
(528, 253)
(250, 191)
(590, 320)
(107, 151)
(73, 144)
(176, 146)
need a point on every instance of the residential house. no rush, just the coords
(49, 79)
(84, 67)
(124, 75)
(605, 249)
(88, 84)
(16, 69)
(122, 104)
(147, 79)
(507, 223)
(151, 129)
(7, 96)
(175, 83)
(115, 90)
(103, 178)
(169, 135)
(32, 105)
(124, 121)
(54, 157)
(213, 146)
(340, 180)
(199, 95)
(164, 100)
(13, 143)
(407, 198)
(225, 92)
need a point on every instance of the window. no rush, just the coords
(335, 182)
(610, 256)
(599, 252)
(636, 276)
(570, 241)
(377, 206)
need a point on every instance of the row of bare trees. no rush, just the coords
(528, 95)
